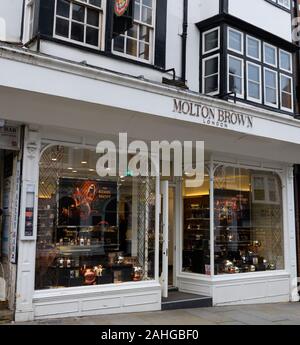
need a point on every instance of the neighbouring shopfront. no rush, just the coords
(10, 170)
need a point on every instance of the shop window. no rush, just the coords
(211, 40)
(235, 75)
(79, 21)
(138, 41)
(253, 82)
(211, 68)
(286, 92)
(92, 230)
(248, 221)
(196, 229)
(271, 88)
(235, 40)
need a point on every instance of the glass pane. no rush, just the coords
(270, 78)
(137, 11)
(131, 47)
(92, 36)
(92, 17)
(78, 13)
(286, 100)
(144, 33)
(211, 84)
(144, 51)
(63, 8)
(95, 2)
(286, 84)
(147, 15)
(235, 84)
(132, 32)
(62, 27)
(235, 40)
(211, 66)
(285, 60)
(92, 230)
(271, 96)
(147, 3)
(253, 47)
(248, 230)
(270, 55)
(196, 233)
(235, 66)
(119, 42)
(253, 73)
(211, 40)
(253, 90)
(77, 32)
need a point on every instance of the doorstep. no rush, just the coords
(181, 300)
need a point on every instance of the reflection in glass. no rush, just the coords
(248, 225)
(91, 230)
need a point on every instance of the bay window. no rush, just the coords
(256, 71)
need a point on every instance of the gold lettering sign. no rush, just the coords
(212, 116)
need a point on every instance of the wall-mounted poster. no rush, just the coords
(87, 202)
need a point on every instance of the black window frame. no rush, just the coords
(224, 51)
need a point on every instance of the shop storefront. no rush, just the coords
(89, 245)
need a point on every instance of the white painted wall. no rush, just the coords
(264, 15)
(10, 20)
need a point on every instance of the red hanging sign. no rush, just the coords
(121, 7)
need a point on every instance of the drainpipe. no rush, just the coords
(184, 40)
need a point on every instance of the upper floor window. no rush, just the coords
(263, 76)
(79, 21)
(211, 40)
(283, 3)
(138, 42)
(235, 40)
(270, 55)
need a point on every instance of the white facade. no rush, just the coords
(61, 100)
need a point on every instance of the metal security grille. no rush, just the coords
(146, 224)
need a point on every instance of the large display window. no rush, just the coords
(245, 224)
(248, 224)
(92, 230)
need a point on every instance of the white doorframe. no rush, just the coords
(165, 233)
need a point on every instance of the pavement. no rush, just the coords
(264, 314)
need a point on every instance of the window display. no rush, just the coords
(196, 229)
(92, 231)
(247, 221)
